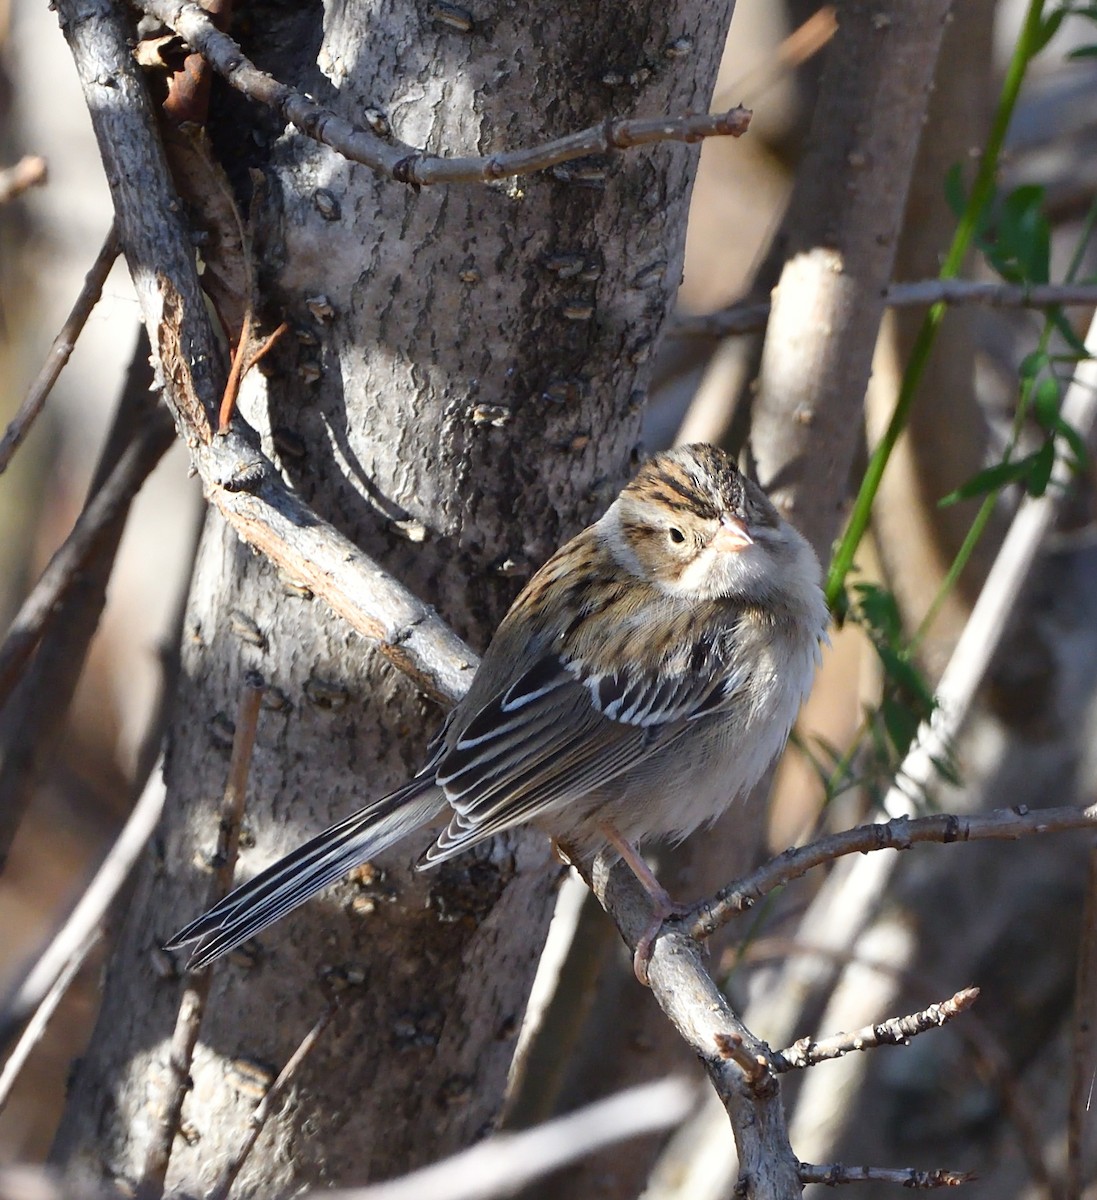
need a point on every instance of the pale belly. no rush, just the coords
(693, 780)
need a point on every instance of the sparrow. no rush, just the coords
(644, 678)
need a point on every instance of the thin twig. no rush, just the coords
(63, 572)
(900, 833)
(981, 1042)
(835, 1174)
(30, 171)
(76, 932)
(61, 350)
(237, 370)
(751, 316)
(895, 1031)
(1083, 1060)
(36, 1026)
(196, 987)
(265, 1107)
(403, 163)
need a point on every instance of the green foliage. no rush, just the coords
(982, 191)
(1012, 232)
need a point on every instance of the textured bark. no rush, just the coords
(434, 302)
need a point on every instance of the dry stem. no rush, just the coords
(896, 1031)
(61, 350)
(265, 1107)
(835, 1174)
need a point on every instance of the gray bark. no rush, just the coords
(442, 300)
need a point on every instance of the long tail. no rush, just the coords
(290, 881)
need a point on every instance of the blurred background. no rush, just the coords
(994, 1102)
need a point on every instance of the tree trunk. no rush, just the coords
(462, 391)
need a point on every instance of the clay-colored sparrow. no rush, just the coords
(644, 678)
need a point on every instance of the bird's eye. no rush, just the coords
(676, 535)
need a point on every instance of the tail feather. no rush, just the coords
(303, 872)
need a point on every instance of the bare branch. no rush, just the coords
(900, 833)
(896, 1031)
(751, 316)
(30, 171)
(403, 163)
(65, 567)
(192, 1004)
(990, 295)
(409, 633)
(265, 1107)
(834, 1174)
(61, 350)
(73, 939)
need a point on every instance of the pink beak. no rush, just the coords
(732, 536)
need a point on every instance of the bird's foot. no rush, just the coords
(663, 907)
(645, 947)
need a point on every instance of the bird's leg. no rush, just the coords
(662, 905)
